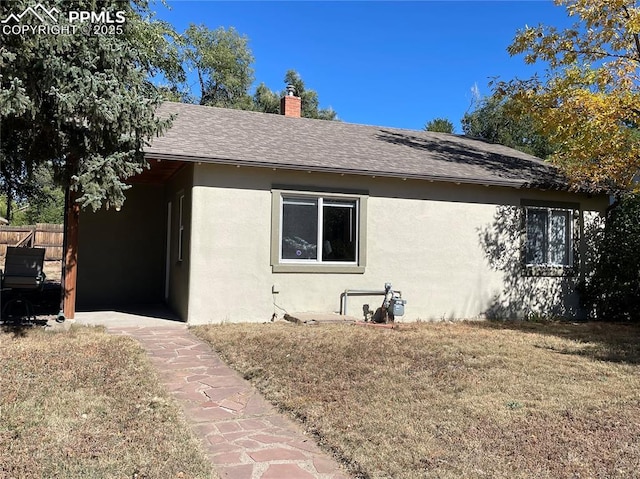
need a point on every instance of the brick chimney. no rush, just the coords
(291, 105)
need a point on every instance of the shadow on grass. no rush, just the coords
(45, 303)
(19, 328)
(614, 342)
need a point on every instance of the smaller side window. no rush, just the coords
(549, 236)
(180, 227)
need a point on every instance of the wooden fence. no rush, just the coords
(46, 236)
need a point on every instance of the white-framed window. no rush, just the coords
(549, 236)
(318, 232)
(318, 229)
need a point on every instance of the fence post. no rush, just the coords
(70, 270)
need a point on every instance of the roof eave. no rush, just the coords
(155, 155)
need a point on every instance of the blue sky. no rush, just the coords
(388, 63)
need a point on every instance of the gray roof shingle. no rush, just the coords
(218, 135)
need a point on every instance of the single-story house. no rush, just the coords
(245, 214)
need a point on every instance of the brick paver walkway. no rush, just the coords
(244, 436)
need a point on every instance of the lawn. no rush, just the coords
(84, 404)
(454, 400)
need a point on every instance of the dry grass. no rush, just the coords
(472, 400)
(53, 270)
(82, 404)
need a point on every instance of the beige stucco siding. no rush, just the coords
(229, 263)
(428, 239)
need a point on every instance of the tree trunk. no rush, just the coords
(7, 181)
(9, 215)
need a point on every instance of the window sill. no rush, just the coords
(318, 268)
(549, 271)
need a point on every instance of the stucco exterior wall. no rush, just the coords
(120, 255)
(436, 242)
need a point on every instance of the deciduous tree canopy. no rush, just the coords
(222, 60)
(587, 104)
(494, 121)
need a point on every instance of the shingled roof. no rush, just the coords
(225, 136)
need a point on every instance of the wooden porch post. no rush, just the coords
(70, 271)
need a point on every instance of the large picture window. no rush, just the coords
(319, 229)
(318, 232)
(549, 236)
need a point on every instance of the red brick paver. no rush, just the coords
(243, 435)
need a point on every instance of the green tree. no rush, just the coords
(82, 103)
(587, 103)
(26, 185)
(18, 215)
(222, 60)
(497, 120)
(14, 181)
(40, 199)
(265, 100)
(268, 101)
(613, 290)
(310, 102)
(46, 205)
(441, 125)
